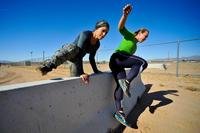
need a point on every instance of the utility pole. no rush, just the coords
(177, 59)
(31, 55)
(168, 55)
(43, 56)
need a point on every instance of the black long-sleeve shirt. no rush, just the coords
(84, 43)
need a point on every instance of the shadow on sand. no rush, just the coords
(146, 101)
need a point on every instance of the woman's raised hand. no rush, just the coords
(127, 9)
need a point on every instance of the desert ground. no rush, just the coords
(170, 104)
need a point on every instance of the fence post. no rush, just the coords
(177, 59)
(43, 56)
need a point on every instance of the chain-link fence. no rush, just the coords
(181, 57)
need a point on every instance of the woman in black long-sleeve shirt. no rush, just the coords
(86, 42)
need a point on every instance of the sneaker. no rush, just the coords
(152, 109)
(125, 87)
(120, 116)
(44, 70)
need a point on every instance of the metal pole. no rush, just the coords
(168, 55)
(43, 55)
(177, 59)
(31, 56)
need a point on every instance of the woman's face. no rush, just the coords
(101, 32)
(142, 36)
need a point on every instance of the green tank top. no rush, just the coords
(129, 44)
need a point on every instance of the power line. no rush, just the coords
(171, 42)
(162, 43)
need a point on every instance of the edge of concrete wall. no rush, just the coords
(65, 105)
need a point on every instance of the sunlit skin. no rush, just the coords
(99, 34)
(142, 36)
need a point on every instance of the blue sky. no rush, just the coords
(45, 25)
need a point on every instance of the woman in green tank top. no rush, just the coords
(124, 58)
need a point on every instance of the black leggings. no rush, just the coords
(118, 63)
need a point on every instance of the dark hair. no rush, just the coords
(102, 23)
(141, 30)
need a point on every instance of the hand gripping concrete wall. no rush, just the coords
(63, 106)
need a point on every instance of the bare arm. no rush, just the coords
(126, 10)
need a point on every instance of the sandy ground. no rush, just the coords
(170, 104)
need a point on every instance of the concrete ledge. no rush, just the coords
(60, 106)
(157, 65)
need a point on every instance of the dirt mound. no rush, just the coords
(6, 77)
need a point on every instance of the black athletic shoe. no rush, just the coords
(44, 70)
(125, 87)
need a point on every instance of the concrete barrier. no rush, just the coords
(157, 65)
(63, 105)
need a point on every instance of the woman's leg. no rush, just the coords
(76, 68)
(117, 72)
(122, 61)
(117, 65)
(137, 64)
(67, 52)
(118, 96)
